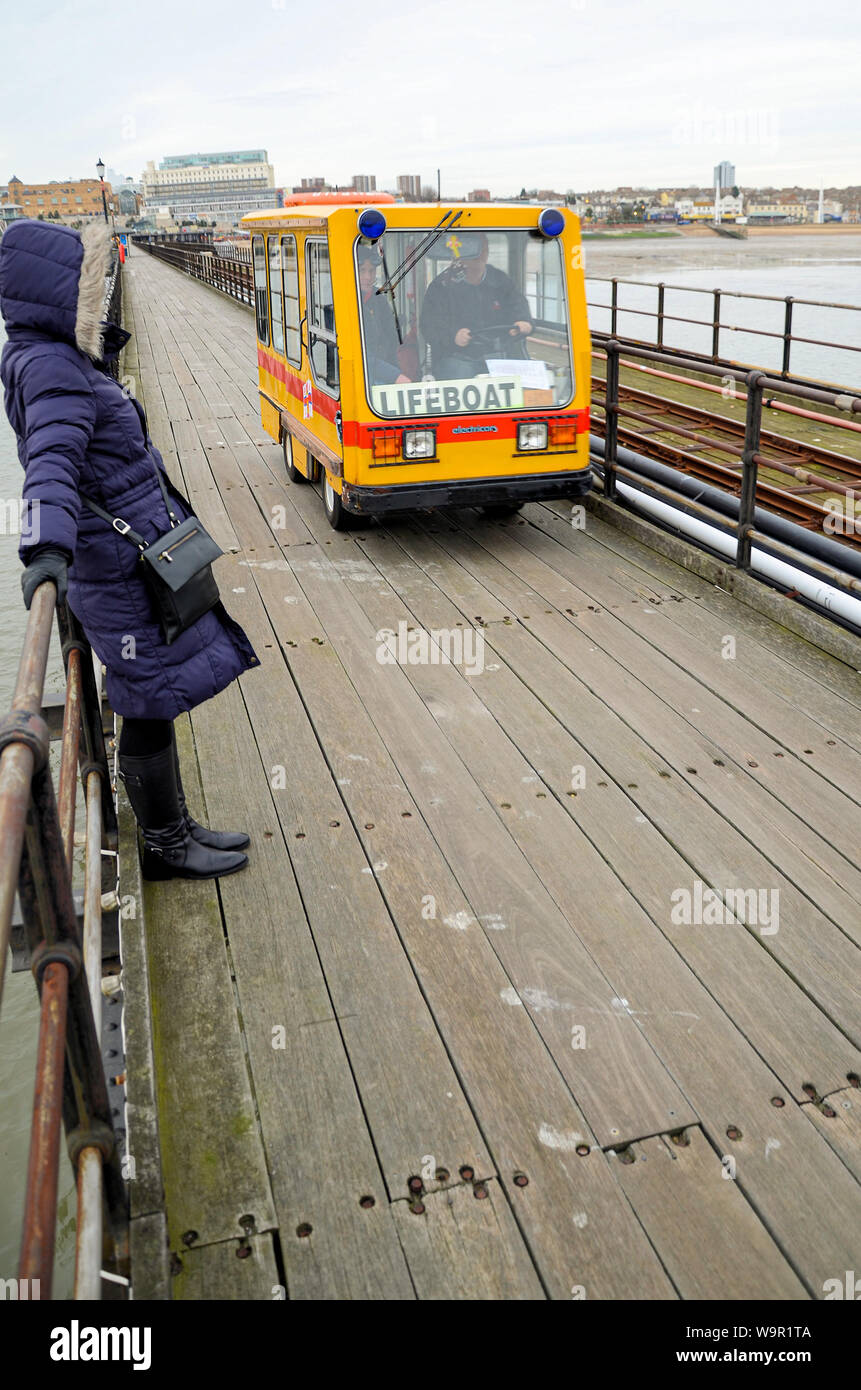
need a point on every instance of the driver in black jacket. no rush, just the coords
(466, 300)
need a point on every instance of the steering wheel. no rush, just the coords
(494, 331)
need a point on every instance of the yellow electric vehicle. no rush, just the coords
(423, 355)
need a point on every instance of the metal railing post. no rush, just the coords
(747, 503)
(660, 342)
(716, 327)
(611, 418)
(614, 299)
(787, 335)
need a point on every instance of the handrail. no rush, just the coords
(758, 384)
(37, 834)
(70, 1081)
(717, 325)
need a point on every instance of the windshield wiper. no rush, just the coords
(412, 258)
(391, 299)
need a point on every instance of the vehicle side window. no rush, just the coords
(261, 306)
(275, 296)
(321, 316)
(290, 273)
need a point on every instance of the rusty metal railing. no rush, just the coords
(37, 835)
(231, 277)
(758, 386)
(37, 832)
(716, 324)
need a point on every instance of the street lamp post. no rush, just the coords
(100, 170)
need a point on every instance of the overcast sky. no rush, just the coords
(571, 94)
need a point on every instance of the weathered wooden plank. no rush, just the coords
(320, 1153)
(283, 521)
(707, 600)
(149, 1257)
(842, 1130)
(212, 1156)
(216, 1273)
(823, 875)
(525, 1111)
(380, 1008)
(829, 956)
(531, 1122)
(725, 671)
(146, 1185)
(463, 1235)
(709, 1239)
(801, 673)
(698, 1052)
(613, 806)
(208, 502)
(620, 1085)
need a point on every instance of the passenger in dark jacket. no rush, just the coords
(382, 348)
(79, 433)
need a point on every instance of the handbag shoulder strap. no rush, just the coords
(117, 522)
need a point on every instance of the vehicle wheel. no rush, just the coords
(337, 516)
(293, 473)
(498, 511)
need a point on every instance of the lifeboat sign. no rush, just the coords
(461, 397)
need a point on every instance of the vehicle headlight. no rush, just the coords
(419, 444)
(532, 435)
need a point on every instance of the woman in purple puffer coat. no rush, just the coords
(79, 433)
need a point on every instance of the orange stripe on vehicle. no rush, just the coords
(293, 382)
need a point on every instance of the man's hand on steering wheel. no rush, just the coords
(521, 329)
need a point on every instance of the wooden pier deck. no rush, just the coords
(453, 964)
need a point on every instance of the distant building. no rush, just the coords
(364, 183)
(703, 209)
(220, 186)
(410, 185)
(832, 211)
(314, 185)
(725, 175)
(777, 211)
(9, 212)
(479, 195)
(58, 201)
(128, 202)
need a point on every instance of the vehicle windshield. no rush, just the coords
(479, 323)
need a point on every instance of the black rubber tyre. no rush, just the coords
(293, 473)
(337, 516)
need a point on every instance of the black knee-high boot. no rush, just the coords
(215, 839)
(170, 850)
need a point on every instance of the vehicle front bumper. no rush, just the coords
(467, 492)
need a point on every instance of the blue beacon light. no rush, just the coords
(551, 222)
(372, 224)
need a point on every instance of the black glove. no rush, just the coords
(47, 563)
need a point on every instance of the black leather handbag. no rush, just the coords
(177, 568)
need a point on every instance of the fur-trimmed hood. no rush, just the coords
(52, 279)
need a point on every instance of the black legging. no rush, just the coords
(139, 737)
